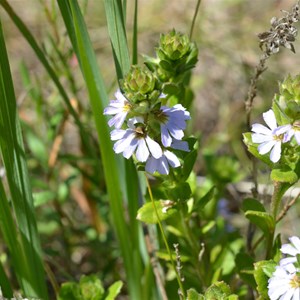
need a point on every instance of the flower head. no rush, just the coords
(119, 108)
(270, 139)
(292, 249)
(173, 122)
(135, 140)
(284, 283)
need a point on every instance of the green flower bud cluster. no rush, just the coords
(289, 97)
(140, 86)
(176, 54)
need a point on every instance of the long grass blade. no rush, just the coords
(117, 32)
(98, 100)
(135, 34)
(13, 156)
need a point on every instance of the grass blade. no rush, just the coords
(13, 157)
(135, 34)
(98, 100)
(117, 33)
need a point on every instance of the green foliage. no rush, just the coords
(89, 288)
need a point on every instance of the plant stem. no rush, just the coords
(165, 239)
(194, 18)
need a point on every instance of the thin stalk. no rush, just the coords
(165, 239)
(194, 18)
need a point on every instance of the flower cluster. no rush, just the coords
(271, 138)
(286, 112)
(285, 281)
(140, 134)
(147, 116)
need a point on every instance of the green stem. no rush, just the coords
(194, 18)
(165, 239)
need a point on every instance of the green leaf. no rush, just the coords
(148, 215)
(43, 197)
(13, 156)
(69, 291)
(194, 295)
(114, 290)
(262, 220)
(244, 264)
(188, 165)
(263, 270)
(284, 175)
(252, 148)
(252, 204)
(117, 34)
(219, 291)
(91, 287)
(182, 191)
(201, 203)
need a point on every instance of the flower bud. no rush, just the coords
(138, 84)
(173, 46)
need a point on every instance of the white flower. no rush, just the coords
(292, 130)
(135, 140)
(120, 108)
(284, 283)
(173, 122)
(291, 249)
(161, 165)
(270, 139)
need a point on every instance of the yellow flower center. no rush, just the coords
(295, 282)
(126, 107)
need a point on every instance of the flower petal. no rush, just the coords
(180, 145)
(270, 119)
(258, 138)
(142, 152)
(276, 152)
(154, 147)
(151, 164)
(265, 147)
(258, 128)
(297, 136)
(166, 139)
(172, 159)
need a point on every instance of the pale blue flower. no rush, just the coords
(173, 122)
(135, 140)
(119, 108)
(270, 139)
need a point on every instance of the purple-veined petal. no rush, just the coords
(111, 110)
(276, 152)
(296, 242)
(154, 147)
(120, 96)
(258, 128)
(270, 119)
(289, 249)
(142, 152)
(266, 147)
(287, 260)
(288, 135)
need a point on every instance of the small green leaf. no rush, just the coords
(114, 290)
(182, 191)
(194, 295)
(262, 220)
(284, 175)
(91, 287)
(43, 197)
(189, 162)
(252, 204)
(147, 212)
(219, 291)
(69, 291)
(263, 270)
(244, 264)
(201, 203)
